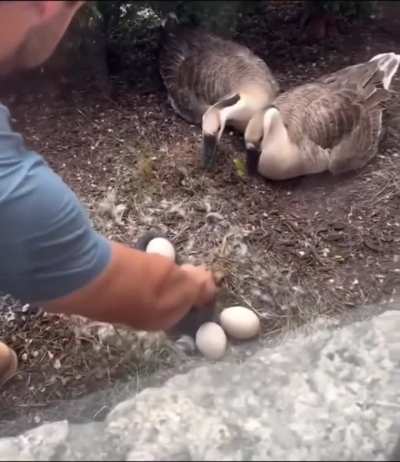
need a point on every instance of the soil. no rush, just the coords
(290, 250)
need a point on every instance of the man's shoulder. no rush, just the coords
(24, 174)
(47, 243)
(29, 188)
(4, 114)
(13, 149)
(6, 128)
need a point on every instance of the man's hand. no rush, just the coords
(202, 309)
(204, 279)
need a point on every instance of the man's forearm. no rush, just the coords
(144, 291)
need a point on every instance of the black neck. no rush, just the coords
(252, 158)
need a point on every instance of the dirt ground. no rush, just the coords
(291, 250)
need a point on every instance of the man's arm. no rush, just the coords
(51, 255)
(146, 291)
(63, 264)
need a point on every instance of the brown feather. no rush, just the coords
(199, 68)
(334, 123)
(318, 113)
(340, 114)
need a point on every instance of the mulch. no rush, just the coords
(290, 250)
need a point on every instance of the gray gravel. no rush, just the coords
(331, 395)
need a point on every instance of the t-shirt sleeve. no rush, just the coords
(48, 247)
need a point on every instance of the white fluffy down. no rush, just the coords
(161, 246)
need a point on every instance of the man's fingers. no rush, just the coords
(218, 277)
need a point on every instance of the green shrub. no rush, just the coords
(346, 8)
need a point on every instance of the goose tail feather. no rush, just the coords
(388, 64)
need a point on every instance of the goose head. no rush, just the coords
(213, 124)
(264, 130)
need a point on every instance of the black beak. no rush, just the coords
(208, 151)
(252, 158)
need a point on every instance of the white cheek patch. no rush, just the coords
(211, 124)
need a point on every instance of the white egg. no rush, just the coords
(240, 322)
(211, 340)
(162, 247)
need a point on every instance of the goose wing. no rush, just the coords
(361, 145)
(345, 122)
(319, 114)
(354, 76)
(196, 82)
(199, 68)
(181, 63)
(184, 51)
(378, 72)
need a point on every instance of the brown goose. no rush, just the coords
(333, 124)
(212, 82)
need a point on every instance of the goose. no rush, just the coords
(212, 82)
(332, 124)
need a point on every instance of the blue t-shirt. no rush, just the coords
(48, 248)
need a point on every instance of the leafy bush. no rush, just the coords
(114, 34)
(123, 20)
(216, 16)
(346, 8)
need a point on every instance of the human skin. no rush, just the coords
(141, 290)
